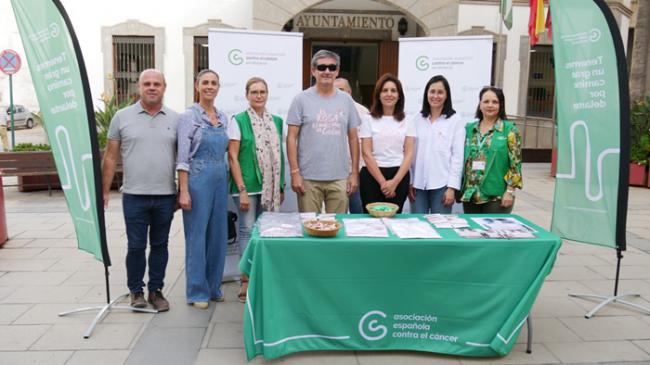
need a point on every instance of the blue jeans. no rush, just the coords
(142, 214)
(206, 224)
(354, 203)
(247, 220)
(430, 201)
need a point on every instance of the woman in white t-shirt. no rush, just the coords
(387, 140)
(437, 165)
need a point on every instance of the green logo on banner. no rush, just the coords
(422, 63)
(235, 57)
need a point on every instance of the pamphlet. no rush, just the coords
(446, 220)
(505, 234)
(502, 224)
(364, 227)
(410, 228)
(273, 224)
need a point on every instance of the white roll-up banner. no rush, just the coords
(237, 55)
(465, 61)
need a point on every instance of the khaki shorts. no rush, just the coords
(332, 193)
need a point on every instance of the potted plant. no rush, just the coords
(639, 141)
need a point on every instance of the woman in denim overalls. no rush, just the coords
(203, 181)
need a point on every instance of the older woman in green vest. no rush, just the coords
(492, 157)
(256, 163)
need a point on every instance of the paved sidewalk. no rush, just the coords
(42, 273)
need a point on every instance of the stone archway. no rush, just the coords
(439, 18)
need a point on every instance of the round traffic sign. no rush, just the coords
(9, 61)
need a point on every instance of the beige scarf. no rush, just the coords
(267, 150)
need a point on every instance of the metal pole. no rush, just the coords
(498, 75)
(13, 111)
(619, 256)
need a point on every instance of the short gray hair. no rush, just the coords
(346, 84)
(153, 71)
(324, 53)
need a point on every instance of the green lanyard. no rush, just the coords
(482, 138)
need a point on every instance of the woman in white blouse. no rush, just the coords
(387, 140)
(437, 166)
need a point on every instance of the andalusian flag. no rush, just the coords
(506, 12)
(536, 21)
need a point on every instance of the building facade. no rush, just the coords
(120, 38)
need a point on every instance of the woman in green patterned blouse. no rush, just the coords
(492, 157)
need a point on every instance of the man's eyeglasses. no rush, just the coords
(332, 67)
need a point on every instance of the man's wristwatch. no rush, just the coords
(511, 191)
(242, 188)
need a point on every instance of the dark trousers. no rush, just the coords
(354, 202)
(147, 215)
(491, 207)
(371, 191)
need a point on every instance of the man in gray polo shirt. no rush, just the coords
(144, 134)
(322, 141)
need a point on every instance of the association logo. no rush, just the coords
(369, 327)
(422, 63)
(594, 35)
(590, 36)
(54, 30)
(235, 57)
(45, 34)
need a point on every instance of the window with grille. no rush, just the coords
(541, 83)
(200, 59)
(131, 55)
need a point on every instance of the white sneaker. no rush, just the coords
(200, 305)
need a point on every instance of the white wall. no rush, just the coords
(488, 16)
(89, 16)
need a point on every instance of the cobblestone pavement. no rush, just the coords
(42, 273)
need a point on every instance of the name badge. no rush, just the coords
(478, 165)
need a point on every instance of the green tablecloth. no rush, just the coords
(452, 295)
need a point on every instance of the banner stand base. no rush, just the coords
(616, 298)
(103, 311)
(607, 299)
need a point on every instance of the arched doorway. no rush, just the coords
(364, 33)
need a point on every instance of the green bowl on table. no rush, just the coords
(382, 210)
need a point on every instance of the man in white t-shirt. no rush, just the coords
(354, 204)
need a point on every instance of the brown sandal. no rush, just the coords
(244, 288)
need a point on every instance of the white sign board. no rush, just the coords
(238, 55)
(466, 62)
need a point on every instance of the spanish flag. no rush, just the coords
(536, 21)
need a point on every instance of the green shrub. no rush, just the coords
(26, 147)
(640, 131)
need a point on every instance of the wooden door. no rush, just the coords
(306, 63)
(388, 57)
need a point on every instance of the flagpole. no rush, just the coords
(498, 82)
